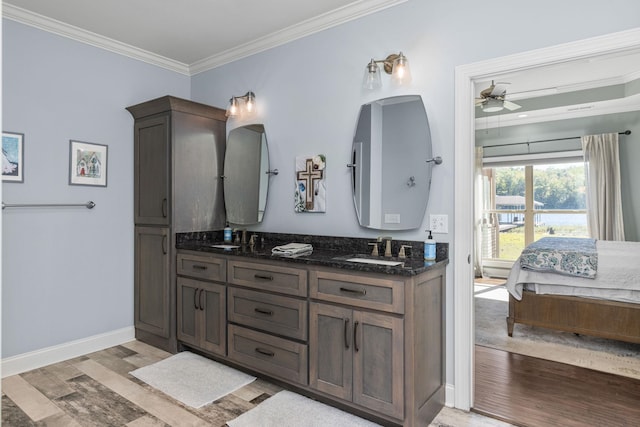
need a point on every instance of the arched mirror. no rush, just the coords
(391, 176)
(246, 175)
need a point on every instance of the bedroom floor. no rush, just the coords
(532, 392)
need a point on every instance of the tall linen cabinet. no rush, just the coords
(179, 150)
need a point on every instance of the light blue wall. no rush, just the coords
(309, 93)
(68, 274)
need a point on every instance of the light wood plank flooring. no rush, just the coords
(531, 392)
(97, 390)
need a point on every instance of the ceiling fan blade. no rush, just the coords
(499, 89)
(487, 92)
(511, 105)
(480, 101)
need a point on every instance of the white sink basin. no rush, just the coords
(375, 261)
(225, 247)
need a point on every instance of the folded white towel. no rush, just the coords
(292, 249)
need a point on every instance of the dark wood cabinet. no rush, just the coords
(178, 157)
(378, 341)
(152, 173)
(357, 356)
(152, 297)
(201, 315)
(374, 343)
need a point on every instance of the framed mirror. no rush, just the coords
(246, 175)
(391, 177)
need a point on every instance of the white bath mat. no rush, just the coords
(192, 379)
(287, 409)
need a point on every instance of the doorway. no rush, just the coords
(465, 78)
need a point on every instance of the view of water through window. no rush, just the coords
(557, 207)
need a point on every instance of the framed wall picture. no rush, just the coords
(12, 157)
(87, 164)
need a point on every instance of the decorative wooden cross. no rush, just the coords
(309, 176)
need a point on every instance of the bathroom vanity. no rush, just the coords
(365, 337)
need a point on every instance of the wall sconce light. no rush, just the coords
(395, 64)
(243, 106)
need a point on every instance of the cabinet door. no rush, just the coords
(330, 349)
(213, 336)
(189, 300)
(378, 367)
(151, 280)
(152, 170)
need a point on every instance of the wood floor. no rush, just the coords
(97, 390)
(531, 392)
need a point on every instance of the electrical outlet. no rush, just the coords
(439, 223)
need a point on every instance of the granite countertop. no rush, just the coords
(327, 251)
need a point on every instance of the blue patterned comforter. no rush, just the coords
(571, 256)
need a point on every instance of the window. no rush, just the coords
(524, 203)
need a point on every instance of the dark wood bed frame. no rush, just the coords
(599, 318)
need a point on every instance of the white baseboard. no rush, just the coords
(36, 359)
(449, 396)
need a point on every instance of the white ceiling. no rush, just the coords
(188, 36)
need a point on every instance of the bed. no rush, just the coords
(606, 305)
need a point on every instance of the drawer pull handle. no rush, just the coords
(265, 352)
(362, 292)
(263, 311)
(355, 337)
(263, 276)
(199, 267)
(346, 334)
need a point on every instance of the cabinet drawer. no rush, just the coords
(272, 313)
(265, 353)
(357, 290)
(286, 280)
(202, 267)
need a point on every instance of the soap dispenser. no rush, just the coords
(429, 248)
(227, 233)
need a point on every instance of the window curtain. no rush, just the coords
(478, 204)
(604, 200)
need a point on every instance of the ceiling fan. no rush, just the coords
(492, 99)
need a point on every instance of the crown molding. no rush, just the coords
(330, 19)
(54, 26)
(294, 32)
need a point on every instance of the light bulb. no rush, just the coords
(401, 73)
